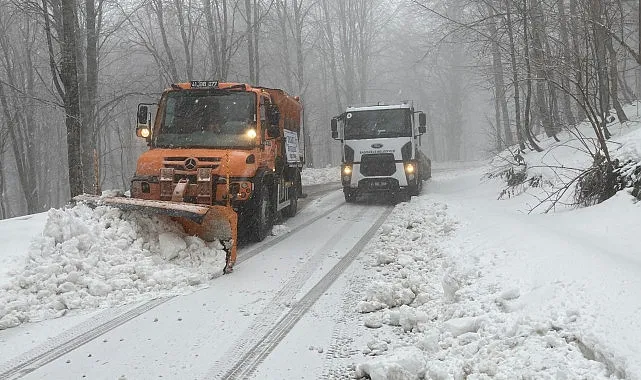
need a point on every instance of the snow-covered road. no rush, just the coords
(450, 285)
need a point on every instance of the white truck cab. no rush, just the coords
(380, 150)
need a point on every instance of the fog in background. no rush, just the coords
(455, 60)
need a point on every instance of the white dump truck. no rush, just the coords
(380, 150)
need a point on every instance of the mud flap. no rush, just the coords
(207, 222)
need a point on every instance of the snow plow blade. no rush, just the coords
(207, 222)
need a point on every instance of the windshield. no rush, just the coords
(378, 123)
(205, 119)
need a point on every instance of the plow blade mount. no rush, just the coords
(207, 222)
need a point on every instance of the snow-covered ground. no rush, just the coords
(455, 284)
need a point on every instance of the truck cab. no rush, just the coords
(380, 150)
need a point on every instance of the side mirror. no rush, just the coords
(334, 124)
(422, 119)
(143, 114)
(143, 129)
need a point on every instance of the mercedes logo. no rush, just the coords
(377, 146)
(190, 163)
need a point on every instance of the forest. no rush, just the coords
(491, 75)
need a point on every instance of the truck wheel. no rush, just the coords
(262, 218)
(295, 192)
(350, 196)
(291, 210)
(400, 196)
(416, 189)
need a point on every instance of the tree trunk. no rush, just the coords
(89, 113)
(566, 61)
(256, 32)
(185, 37)
(71, 100)
(211, 38)
(250, 41)
(528, 73)
(332, 54)
(3, 206)
(499, 84)
(346, 42)
(614, 83)
(172, 69)
(20, 124)
(299, 21)
(283, 15)
(536, 17)
(515, 76)
(599, 37)
(577, 69)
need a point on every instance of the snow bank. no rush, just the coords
(91, 258)
(316, 176)
(435, 316)
(547, 173)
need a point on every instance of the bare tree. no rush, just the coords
(17, 106)
(499, 85)
(69, 76)
(220, 31)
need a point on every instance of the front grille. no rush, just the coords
(378, 164)
(178, 163)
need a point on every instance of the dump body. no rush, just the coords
(380, 150)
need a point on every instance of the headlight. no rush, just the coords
(251, 133)
(347, 170)
(144, 132)
(409, 168)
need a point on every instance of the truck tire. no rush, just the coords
(416, 189)
(294, 193)
(400, 196)
(290, 211)
(350, 195)
(262, 220)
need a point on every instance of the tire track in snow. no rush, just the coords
(261, 247)
(341, 348)
(72, 339)
(274, 310)
(246, 356)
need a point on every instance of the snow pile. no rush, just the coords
(545, 175)
(630, 143)
(434, 316)
(89, 258)
(316, 176)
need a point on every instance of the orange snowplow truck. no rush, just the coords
(222, 157)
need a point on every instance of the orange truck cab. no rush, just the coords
(232, 144)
